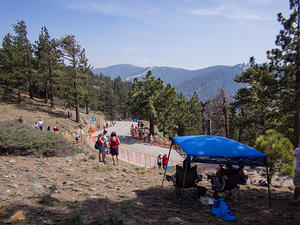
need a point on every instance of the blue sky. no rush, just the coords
(189, 34)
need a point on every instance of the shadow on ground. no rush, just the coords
(154, 206)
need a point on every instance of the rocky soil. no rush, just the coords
(79, 190)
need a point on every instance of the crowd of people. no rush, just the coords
(143, 134)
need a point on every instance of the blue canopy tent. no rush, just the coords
(219, 150)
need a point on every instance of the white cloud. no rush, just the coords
(230, 11)
(260, 1)
(105, 8)
(209, 11)
(139, 10)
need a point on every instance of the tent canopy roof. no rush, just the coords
(216, 149)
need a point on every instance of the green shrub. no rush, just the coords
(279, 151)
(18, 139)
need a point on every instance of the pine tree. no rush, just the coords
(166, 111)
(256, 105)
(47, 57)
(285, 61)
(75, 79)
(7, 58)
(143, 98)
(24, 56)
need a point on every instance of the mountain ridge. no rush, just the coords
(205, 82)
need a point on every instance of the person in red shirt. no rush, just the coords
(114, 147)
(165, 161)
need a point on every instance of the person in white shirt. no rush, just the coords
(40, 123)
(296, 179)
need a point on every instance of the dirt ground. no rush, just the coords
(79, 190)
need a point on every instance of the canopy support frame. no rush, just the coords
(171, 145)
(268, 181)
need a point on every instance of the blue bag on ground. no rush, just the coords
(221, 210)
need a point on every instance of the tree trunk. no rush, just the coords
(46, 90)
(52, 94)
(226, 121)
(203, 104)
(152, 127)
(240, 134)
(19, 97)
(76, 103)
(86, 104)
(30, 88)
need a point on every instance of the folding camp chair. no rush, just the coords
(183, 180)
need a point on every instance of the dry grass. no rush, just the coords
(17, 217)
(34, 109)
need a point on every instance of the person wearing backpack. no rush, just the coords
(114, 147)
(101, 143)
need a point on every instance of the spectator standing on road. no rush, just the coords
(77, 138)
(296, 179)
(70, 115)
(159, 160)
(114, 147)
(165, 161)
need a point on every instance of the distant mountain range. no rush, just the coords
(205, 82)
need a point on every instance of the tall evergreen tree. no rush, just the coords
(166, 111)
(24, 55)
(255, 105)
(285, 60)
(7, 69)
(47, 55)
(76, 58)
(143, 98)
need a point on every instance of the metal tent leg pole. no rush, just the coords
(162, 183)
(269, 191)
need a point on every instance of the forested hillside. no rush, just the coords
(205, 82)
(210, 80)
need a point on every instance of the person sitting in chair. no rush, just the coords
(226, 178)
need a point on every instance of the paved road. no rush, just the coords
(122, 128)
